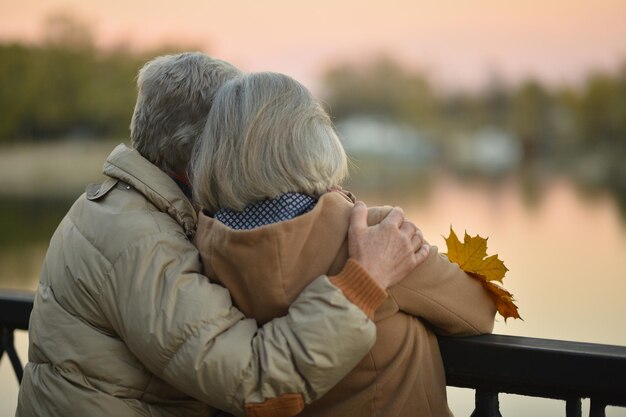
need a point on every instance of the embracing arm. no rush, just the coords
(186, 331)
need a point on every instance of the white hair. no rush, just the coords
(266, 135)
(174, 97)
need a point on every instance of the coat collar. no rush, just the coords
(129, 166)
(265, 268)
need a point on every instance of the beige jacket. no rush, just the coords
(125, 325)
(266, 268)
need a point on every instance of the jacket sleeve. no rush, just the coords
(439, 292)
(186, 331)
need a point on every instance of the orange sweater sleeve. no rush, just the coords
(358, 287)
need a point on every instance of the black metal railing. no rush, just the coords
(15, 308)
(490, 364)
(555, 369)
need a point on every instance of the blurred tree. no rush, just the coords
(568, 118)
(496, 102)
(66, 86)
(531, 118)
(602, 110)
(566, 130)
(461, 111)
(381, 87)
(15, 83)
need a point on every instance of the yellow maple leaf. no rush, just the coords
(471, 256)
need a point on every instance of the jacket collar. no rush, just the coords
(269, 265)
(129, 166)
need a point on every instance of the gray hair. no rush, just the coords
(175, 93)
(265, 135)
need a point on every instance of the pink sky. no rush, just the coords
(458, 42)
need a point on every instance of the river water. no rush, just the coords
(565, 251)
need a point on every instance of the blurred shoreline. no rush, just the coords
(59, 169)
(56, 173)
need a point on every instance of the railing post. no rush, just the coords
(487, 404)
(15, 309)
(573, 408)
(8, 347)
(597, 408)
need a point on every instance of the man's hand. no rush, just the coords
(389, 250)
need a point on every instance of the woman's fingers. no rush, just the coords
(417, 241)
(422, 253)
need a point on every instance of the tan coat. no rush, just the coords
(124, 324)
(266, 268)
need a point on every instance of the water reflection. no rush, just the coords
(27, 223)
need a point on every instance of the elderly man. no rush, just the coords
(124, 324)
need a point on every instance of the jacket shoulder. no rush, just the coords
(113, 215)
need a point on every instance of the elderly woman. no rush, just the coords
(267, 172)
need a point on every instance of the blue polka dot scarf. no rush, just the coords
(284, 207)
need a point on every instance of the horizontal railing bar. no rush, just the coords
(15, 308)
(536, 367)
(490, 363)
